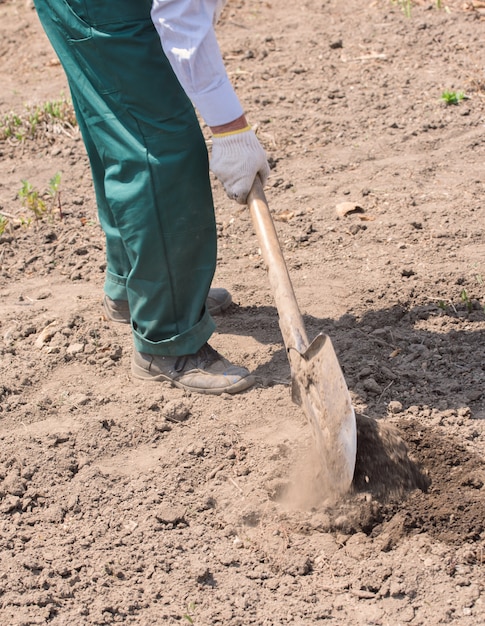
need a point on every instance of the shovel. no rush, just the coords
(317, 382)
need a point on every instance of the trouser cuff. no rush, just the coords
(188, 342)
(115, 286)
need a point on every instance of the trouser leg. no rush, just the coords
(118, 265)
(149, 165)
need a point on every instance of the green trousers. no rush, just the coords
(149, 165)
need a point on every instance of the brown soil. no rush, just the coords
(133, 503)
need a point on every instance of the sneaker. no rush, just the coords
(206, 371)
(218, 300)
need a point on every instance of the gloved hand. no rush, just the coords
(237, 158)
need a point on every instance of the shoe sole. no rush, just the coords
(244, 383)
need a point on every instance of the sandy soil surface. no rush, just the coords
(137, 503)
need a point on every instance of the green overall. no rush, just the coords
(149, 165)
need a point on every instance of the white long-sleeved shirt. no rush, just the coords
(186, 29)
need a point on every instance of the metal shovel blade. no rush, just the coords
(318, 386)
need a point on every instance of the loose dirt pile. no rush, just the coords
(123, 502)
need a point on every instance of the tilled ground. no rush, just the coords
(123, 502)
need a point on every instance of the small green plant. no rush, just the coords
(41, 204)
(25, 221)
(452, 97)
(49, 117)
(466, 300)
(3, 224)
(32, 200)
(405, 6)
(189, 615)
(54, 193)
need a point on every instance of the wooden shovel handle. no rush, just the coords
(290, 319)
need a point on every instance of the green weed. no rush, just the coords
(405, 6)
(41, 203)
(50, 117)
(189, 615)
(54, 192)
(32, 200)
(465, 298)
(475, 303)
(3, 224)
(452, 97)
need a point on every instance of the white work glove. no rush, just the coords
(237, 158)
